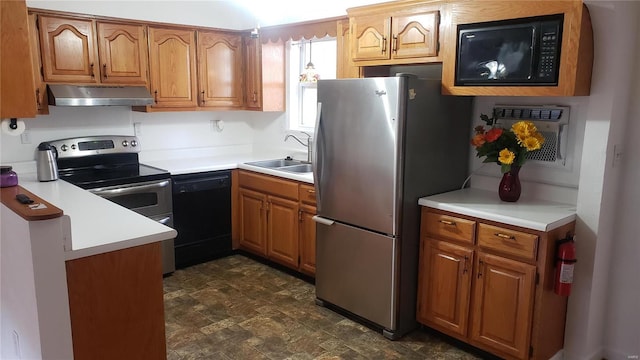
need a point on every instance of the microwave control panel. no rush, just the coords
(549, 55)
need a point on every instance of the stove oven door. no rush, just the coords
(151, 199)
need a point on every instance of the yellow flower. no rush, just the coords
(523, 129)
(531, 143)
(506, 156)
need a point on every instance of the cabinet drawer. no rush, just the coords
(507, 241)
(268, 184)
(448, 227)
(307, 194)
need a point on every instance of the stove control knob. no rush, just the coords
(134, 143)
(125, 143)
(73, 146)
(64, 147)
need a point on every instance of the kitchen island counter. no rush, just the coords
(96, 225)
(528, 213)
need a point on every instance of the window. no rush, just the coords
(302, 97)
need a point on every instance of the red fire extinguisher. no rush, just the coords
(565, 261)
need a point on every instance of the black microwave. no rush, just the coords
(514, 52)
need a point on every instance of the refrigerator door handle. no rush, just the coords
(323, 221)
(316, 156)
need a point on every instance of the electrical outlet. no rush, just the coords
(25, 137)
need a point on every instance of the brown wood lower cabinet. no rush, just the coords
(490, 284)
(275, 221)
(116, 304)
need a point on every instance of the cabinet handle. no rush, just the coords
(104, 70)
(38, 104)
(464, 270)
(202, 97)
(255, 96)
(311, 191)
(93, 75)
(384, 44)
(394, 45)
(155, 96)
(505, 236)
(448, 222)
(481, 263)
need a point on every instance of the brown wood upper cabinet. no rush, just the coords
(72, 53)
(123, 55)
(264, 90)
(172, 64)
(219, 69)
(18, 92)
(386, 34)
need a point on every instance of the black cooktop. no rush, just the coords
(108, 170)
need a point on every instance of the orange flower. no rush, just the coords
(493, 134)
(477, 140)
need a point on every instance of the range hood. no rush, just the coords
(91, 95)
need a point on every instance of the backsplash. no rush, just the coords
(157, 131)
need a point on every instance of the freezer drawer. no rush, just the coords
(355, 270)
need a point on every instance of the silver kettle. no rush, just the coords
(46, 162)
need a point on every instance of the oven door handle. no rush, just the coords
(129, 189)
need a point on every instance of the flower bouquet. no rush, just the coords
(507, 148)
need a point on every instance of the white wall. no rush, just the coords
(622, 334)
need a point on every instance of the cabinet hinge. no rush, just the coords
(530, 351)
(300, 215)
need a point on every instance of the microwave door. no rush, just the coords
(496, 55)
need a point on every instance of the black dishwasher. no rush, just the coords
(202, 216)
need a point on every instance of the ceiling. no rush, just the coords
(225, 14)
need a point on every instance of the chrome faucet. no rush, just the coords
(308, 145)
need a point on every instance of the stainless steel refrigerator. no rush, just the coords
(381, 144)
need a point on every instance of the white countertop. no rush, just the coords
(97, 225)
(530, 213)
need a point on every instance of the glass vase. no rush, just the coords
(509, 189)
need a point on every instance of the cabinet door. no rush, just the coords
(68, 50)
(253, 219)
(42, 106)
(370, 37)
(253, 74)
(123, 53)
(503, 304)
(116, 304)
(415, 35)
(444, 286)
(345, 67)
(219, 69)
(283, 231)
(307, 240)
(18, 95)
(172, 63)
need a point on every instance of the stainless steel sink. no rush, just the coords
(271, 164)
(288, 165)
(302, 168)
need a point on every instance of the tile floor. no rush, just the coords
(238, 308)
